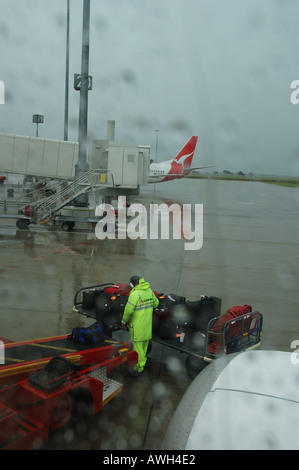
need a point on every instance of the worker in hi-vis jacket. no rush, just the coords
(138, 316)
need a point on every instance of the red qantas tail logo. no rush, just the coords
(182, 162)
(184, 157)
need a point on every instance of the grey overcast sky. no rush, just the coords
(219, 69)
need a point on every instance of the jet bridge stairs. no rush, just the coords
(43, 210)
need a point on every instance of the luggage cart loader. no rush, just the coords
(39, 394)
(195, 328)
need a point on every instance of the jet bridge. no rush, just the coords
(46, 158)
(56, 159)
(115, 168)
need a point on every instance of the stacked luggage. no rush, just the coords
(174, 313)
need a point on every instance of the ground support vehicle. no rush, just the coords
(195, 328)
(46, 209)
(67, 222)
(75, 216)
(39, 391)
(22, 222)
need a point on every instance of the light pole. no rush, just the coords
(82, 164)
(37, 119)
(157, 133)
(67, 62)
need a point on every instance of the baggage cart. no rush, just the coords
(189, 327)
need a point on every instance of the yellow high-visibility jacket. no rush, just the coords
(138, 313)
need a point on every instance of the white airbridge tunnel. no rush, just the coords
(126, 163)
(34, 156)
(114, 169)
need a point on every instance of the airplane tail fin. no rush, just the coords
(185, 155)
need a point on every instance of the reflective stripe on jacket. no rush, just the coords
(138, 312)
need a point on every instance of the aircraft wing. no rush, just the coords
(189, 170)
(185, 171)
(199, 168)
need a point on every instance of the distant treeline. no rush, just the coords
(226, 175)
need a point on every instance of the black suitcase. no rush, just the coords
(110, 309)
(89, 298)
(202, 311)
(167, 301)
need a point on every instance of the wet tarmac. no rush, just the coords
(249, 256)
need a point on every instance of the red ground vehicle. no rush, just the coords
(40, 394)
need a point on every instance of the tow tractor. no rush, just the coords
(195, 328)
(44, 381)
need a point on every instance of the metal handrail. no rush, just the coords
(50, 205)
